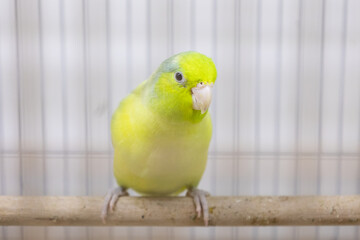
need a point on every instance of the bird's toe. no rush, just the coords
(201, 206)
(110, 201)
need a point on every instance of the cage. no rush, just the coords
(286, 108)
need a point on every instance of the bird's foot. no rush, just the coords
(110, 201)
(199, 197)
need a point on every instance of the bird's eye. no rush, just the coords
(179, 77)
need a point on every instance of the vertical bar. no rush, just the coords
(192, 47)
(109, 85)
(235, 159)
(86, 90)
(86, 98)
(42, 92)
(170, 45)
(341, 95)
(341, 105)
(357, 233)
(358, 152)
(170, 51)
(192, 25)
(298, 96)
(257, 95)
(18, 80)
(43, 125)
(257, 104)
(212, 231)
(214, 104)
(277, 103)
(320, 108)
(288, 94)
(64, 99)
(148, 35)
(2, 178)
(170, 26)
(109, 95)
(2, 165)
(129, 64)
(182, 27)
(64, 107)
(139, 34)
(278, 96)
(298, 106)
(235, 98)
(129, 45)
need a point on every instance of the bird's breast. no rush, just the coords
(162, 162)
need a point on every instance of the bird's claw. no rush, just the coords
(110, 201)
(199, 197)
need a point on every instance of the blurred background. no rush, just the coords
(286, 110)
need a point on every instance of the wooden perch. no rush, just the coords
(179, 211)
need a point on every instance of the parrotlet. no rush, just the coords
(162, 130)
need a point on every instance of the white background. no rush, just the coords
(286, 111)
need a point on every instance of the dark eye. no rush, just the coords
(179, 76)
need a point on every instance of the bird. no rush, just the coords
(161, 133)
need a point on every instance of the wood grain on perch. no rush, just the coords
(179, 211)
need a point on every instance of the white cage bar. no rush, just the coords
(286, 112)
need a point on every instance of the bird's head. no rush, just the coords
(181, 88)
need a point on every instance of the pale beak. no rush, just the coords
(201, 96)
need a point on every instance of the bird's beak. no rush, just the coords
(201, 96)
